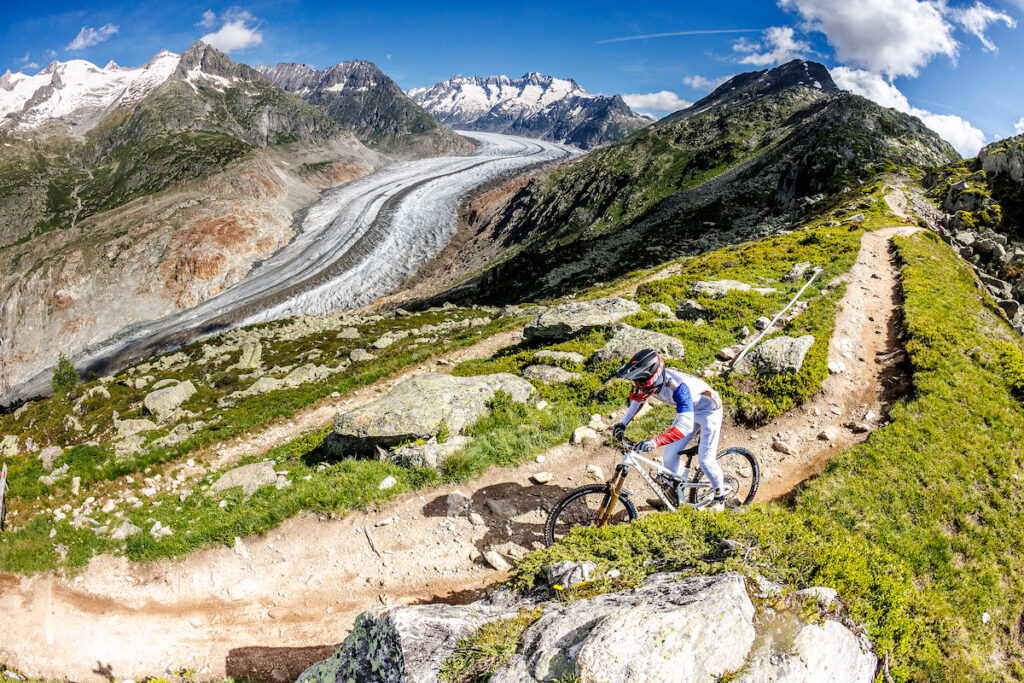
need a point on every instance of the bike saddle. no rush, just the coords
(691, 451)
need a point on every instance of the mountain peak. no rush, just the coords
(754, 84)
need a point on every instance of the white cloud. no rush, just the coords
(91, 36)
(1019, 126)
(975, 20)
(698, 82)
(237, 32)
(778, 45)
(957, 131)
(208, 20)
(894, 37)
(658, 101)
(25, 58)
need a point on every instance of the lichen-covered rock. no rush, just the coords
(628, 340)
(566, 573)
(360, 355)
(427, 454)
(349, 333)
(403, 644)
(718, 288)
(688, 309)
(250, 477)
(252, 351)
(829, 652)
(418, 407)
(667, 629)
(776, 356)
(573, 317)
(549, 373)
(48, 456)
(570, 356)
(132, 427)
(797, 271)
(8, 446)
(661, 309)
(163, 402)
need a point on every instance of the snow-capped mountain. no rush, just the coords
(535, 105)
(78, 92)
(363, 99)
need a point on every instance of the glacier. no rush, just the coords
(359, 242)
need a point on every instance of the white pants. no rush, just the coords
(707, 418)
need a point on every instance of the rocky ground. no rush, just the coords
(301, 586)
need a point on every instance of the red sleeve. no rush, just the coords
(668, 437)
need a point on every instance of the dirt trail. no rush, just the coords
(267, 609)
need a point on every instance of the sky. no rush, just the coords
(958, 65)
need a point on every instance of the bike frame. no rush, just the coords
(631, 459)
(3, 491)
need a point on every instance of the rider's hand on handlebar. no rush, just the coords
(619, 431)
(646, 446)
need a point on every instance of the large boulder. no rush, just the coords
(628, 340)
(48, 456)
(776, 356)
(418, 407)
(163, 402)
(694, 629)
(401, 644)
(573, 317)
(688, 309)
(670, 628)
(252, 350)
(716, 289)
(570, 356)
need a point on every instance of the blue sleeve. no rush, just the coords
(684, 402)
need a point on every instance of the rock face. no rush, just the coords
(417, 408)
(776, 356)
(667, 629)
(569, 319)
(628, 340)
(163, 402)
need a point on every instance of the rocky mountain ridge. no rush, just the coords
(533, 106)
(759, 151)
(360, 98)
(161, 204)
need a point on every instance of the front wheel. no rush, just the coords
(741, 472)
(580, 509)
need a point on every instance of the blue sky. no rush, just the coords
(957, 64)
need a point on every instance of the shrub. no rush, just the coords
(64, 375)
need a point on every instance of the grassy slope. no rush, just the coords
(918, 527)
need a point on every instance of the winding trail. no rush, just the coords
(359, 242)
(266, 610)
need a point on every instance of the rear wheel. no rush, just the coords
(580, 509)
(742, 473)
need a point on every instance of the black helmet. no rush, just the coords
(642, 368)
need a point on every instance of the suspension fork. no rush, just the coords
(614, 488)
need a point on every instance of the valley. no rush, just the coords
(357, 243)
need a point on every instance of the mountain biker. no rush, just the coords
(698, 407)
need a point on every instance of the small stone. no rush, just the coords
(614, 574)
(76, 485)
(501, 509)
(597, 423)
(582, 434)
(240, 549)
(542, 477)
(763, 322)
(595, 472)
(541, 405)
(476, 519)
(727, 353)
(836, 367)
(830, 434)
(359, 355)
(870, 416)
(387, 483)
(539, 459)
(496, 561)
(858, 427)
(783, 447)
(743, 332)
(456, 504)
(986, 617)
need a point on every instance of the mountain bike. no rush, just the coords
(600, 504)
(3, 497)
